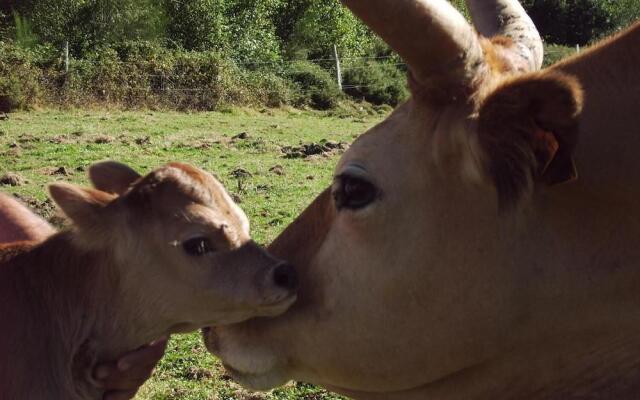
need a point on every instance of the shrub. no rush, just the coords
(146, 75)
(315, 86)
(19, 79)
(377, 83)
(269, 89)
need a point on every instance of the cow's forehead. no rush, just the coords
(181, 184)
(383, 147)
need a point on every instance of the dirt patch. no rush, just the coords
(27, 138)
(64, 171)
(202, 146)
(12, 179)
(241, 173)
(241, 136)
(56, 171)
(124, 139)
(205, 144)
(197, 144)
(322, 148)
(277, 169)
(143, 141)
(103, 139)
(13, 152)
(46, 209)
(199, 374)
(61, 139)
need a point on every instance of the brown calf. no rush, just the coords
(170, 254)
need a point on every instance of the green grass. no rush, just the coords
(37, 145)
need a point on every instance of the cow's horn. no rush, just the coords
(442, 50)
(508, 18)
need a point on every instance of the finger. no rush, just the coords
(120, 395)
(137, 360)
(105, 370)
(143, 357)
(115, 377)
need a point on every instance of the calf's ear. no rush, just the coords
(528, 129)
(112, 176)
(82, 206)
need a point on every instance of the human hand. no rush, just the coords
(121, 379)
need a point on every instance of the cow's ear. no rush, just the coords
(82, 206)
(112, 176)
(527, 130)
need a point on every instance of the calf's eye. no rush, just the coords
(354, 193)
(198, 246)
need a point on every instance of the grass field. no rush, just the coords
(273, 161)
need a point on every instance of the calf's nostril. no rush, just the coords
(285, 276)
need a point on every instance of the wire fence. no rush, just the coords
(168, 78)
(208, 81)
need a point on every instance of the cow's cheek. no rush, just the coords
(357, 313)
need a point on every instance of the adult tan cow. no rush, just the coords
(457, 255)
(171, 254)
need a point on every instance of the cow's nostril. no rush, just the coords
(285, 276)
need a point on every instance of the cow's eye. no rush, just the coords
(198, 246)
(353, 192)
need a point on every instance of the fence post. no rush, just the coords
(66, 56)
(338, 70)
(577, 48)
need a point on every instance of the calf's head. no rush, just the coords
(403, 278)
(179, 247)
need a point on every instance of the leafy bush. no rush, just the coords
(316, 87)
(145, 74)
(19, 79)
(377, 83)
(133, 75)
(269, 89)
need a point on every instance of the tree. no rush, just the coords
(570, 22)
(52, 20)
(314, 26)
(197, 24)
(111, 21)
(252, 31)
(87, 23)
(24, 35)
(623, 12)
